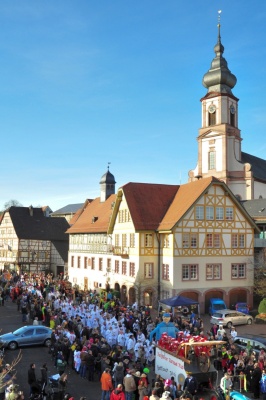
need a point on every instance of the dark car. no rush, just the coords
(26, 336)
(256, 342)
(242, 307)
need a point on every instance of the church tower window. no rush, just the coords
(232, 115)
(212, 159)
(212, 118)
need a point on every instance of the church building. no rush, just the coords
(219, 139)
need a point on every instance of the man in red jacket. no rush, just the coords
(118, 393)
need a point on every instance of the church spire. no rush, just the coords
(219, 78)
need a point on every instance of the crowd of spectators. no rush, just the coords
(102, 340)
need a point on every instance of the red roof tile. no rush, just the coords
(148, 203)
(95, 211)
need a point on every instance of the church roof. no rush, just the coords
(256, 209)
(258, 165)
(219, 78)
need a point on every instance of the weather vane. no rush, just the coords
(219, 16)
(108, 164)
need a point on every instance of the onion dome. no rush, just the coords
(108, 178)
(219, 78)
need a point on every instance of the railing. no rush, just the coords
(120, 250)
(260, 240)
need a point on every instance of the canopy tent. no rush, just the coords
(179, 301)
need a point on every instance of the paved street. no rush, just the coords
(10, 319)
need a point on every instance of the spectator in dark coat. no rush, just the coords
(32, 377)
(255, 381)
(190, 384)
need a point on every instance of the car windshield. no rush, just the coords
(19, 331)
(218, 315)
(218, 306)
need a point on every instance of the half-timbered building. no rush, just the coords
(31, 241)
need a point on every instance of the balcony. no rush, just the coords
(260, 240)
(121, 251)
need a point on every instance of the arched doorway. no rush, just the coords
(124, 295)
(217, 294)
(190, 295)
(237, 296)
(148, 297)
(131, 296)
(117, 287)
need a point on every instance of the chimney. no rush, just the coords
(31, 211)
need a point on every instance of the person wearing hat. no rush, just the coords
(190, 384)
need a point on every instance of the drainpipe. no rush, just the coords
(159, 270)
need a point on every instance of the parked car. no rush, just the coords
(230, 317)
(257, 343)
(215, 305)
(26, 336)
(242, 307)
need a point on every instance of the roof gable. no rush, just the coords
(184, 199)
(148, 203)
(95, 217)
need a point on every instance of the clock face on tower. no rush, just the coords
(232, 109)
(212, 108)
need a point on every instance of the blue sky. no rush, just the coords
(84, 83)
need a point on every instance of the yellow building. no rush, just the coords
(154, 241)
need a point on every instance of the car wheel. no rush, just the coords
(249, 321)
(47, 342)
(229, 325)
(12, 345)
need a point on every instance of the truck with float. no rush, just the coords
(175, 357)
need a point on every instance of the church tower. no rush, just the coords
(219, 140)
(107, 185)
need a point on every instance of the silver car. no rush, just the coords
(26, 336)
(229, 318)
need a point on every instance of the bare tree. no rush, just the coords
(11, 203)
(12, 366)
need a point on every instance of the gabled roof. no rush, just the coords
(79, 212)
(69, 209)
(37, 226)
(258, 165)
(184, 199)
(148, 203)
(95, 217)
